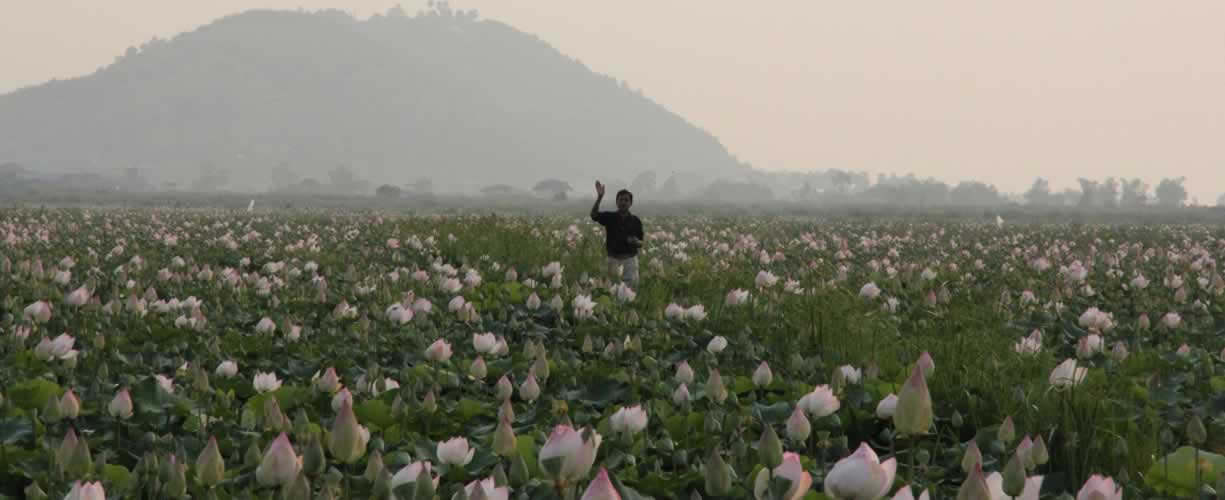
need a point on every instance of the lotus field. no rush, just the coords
(327, 354)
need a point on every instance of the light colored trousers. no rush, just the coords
(626, 269)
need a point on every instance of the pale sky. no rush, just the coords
(998, 91)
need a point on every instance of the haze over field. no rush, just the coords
(952, 90)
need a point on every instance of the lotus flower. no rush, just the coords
(601, 488)
(227, 369)
(265, 325)
(488, 490)
(38, 311)
(484, 343)
(765, 279)
(266, 382)
(584, 307)
(455, 451)
(440, 350)
(736, 297)
(86, 491)
(798, 479)
(861, 476)
(70, 405)
(412, 473)
(904, 493)
(716, 345)
(567, 456)
(850, 374)
(629, 420)
(680, 395)
(1029, 345)
(886, 407)
(165, 383)
(820, 402)
(1099, 488)
(1067, 374)
(280, 464)
(674, 312)
(696, 313)
(1171, 320)
(995, 484)
(1089, 345)
(869, 291)
(78, 297)
(533, 301)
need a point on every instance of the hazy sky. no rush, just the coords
(999, 91)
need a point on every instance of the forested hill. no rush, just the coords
(439, 95)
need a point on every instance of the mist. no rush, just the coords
(747, 105)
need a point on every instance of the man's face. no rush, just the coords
(623, 203)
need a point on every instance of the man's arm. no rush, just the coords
(599, 196)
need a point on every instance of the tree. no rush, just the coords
(670, 189)
(644, 183)
(975, 194)
(387, 191)
(345, 181)
(1088, 193)
(1108, 193)
(1039, 193)
(1135, 194)
(552, 188)
(1171, 193)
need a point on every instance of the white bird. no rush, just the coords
(999, 221)
(251, 206)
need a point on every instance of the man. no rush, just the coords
(623, 235)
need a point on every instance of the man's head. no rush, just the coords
(624, 200)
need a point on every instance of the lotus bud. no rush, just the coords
(503, 390)
(504, 443)
(121, 405)
(274, 418)
(1038, 453)
(769, 448)
(763, 376)
(506, 411)
(70, 406)
(478, 370)
(927, 364)
(718, 476)
(430, 403)
(587, 345)
(681, 395)
(80, 461)
(913, 414)
(975, 486)
(374, 467)
(541, 366)
(348, 440)
(52, 412)
(714, 387)
(1007, 431)
(299, 489)
(601, 488)
(252, 456)
(279, 465)
(798, 426)
(1014, 475)
(530, 390)
(519, 475)
(972, 457)
(210, 467)
(66, 449)
(684, 374)
(1196, 433)
(175, 485)
(34, 492)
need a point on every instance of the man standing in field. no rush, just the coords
(623, 235)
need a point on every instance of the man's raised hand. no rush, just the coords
(599, 189)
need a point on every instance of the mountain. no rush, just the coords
(268, 98)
